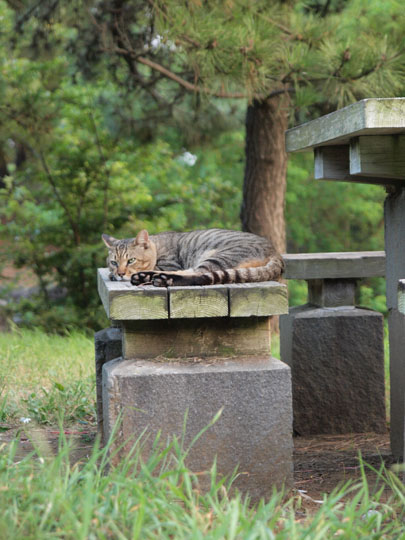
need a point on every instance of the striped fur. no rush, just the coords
(203, 257)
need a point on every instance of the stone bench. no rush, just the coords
(365, 142)
(188, 352)
(335, 350)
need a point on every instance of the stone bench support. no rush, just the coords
(398, 319)
(187, 353)
(335, 350)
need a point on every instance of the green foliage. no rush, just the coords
(372, 295)
(82, 179)
(331, 216)
(297, 292)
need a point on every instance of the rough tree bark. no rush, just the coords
(264, 183)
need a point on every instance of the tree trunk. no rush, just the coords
(3, 170)
(264, 184)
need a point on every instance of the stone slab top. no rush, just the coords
(122, 301)
(120, 367)
(344, 265)
(374, 116)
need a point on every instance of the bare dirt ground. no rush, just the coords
(323, 462)
(45, 440)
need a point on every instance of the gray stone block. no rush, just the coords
(337, 362)
(253, 433)
(108, 345)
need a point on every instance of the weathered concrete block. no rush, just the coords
(254, 432)
(108, 345)
(337, 362)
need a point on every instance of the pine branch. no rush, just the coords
(275, 93)
(376, 67)
(183, 82)
(179, 80)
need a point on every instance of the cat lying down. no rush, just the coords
(203, 257)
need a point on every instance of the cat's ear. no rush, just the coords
(109, 241)
(142, 238)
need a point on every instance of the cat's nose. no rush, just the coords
(121, 274)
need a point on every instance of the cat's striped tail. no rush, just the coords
(248, 273)
(271, 271)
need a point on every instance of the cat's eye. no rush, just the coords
(130, 261)
(114, 263)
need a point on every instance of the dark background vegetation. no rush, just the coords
(116, 116)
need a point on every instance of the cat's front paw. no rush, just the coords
(162, 280)
(171, 280)
(142, 278)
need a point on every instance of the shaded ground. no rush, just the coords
(321, 462)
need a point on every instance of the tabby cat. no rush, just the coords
(203, 257)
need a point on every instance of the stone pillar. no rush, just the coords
(188, 354)
(394, 213)
(336, 355)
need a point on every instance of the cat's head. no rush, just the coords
(131, 255)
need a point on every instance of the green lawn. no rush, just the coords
(45, 376)
(49, 497)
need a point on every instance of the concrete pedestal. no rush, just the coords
(187, 353)
(336, 357)
(252, 434)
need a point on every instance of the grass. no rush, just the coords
(42, 376)
(51, 496)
